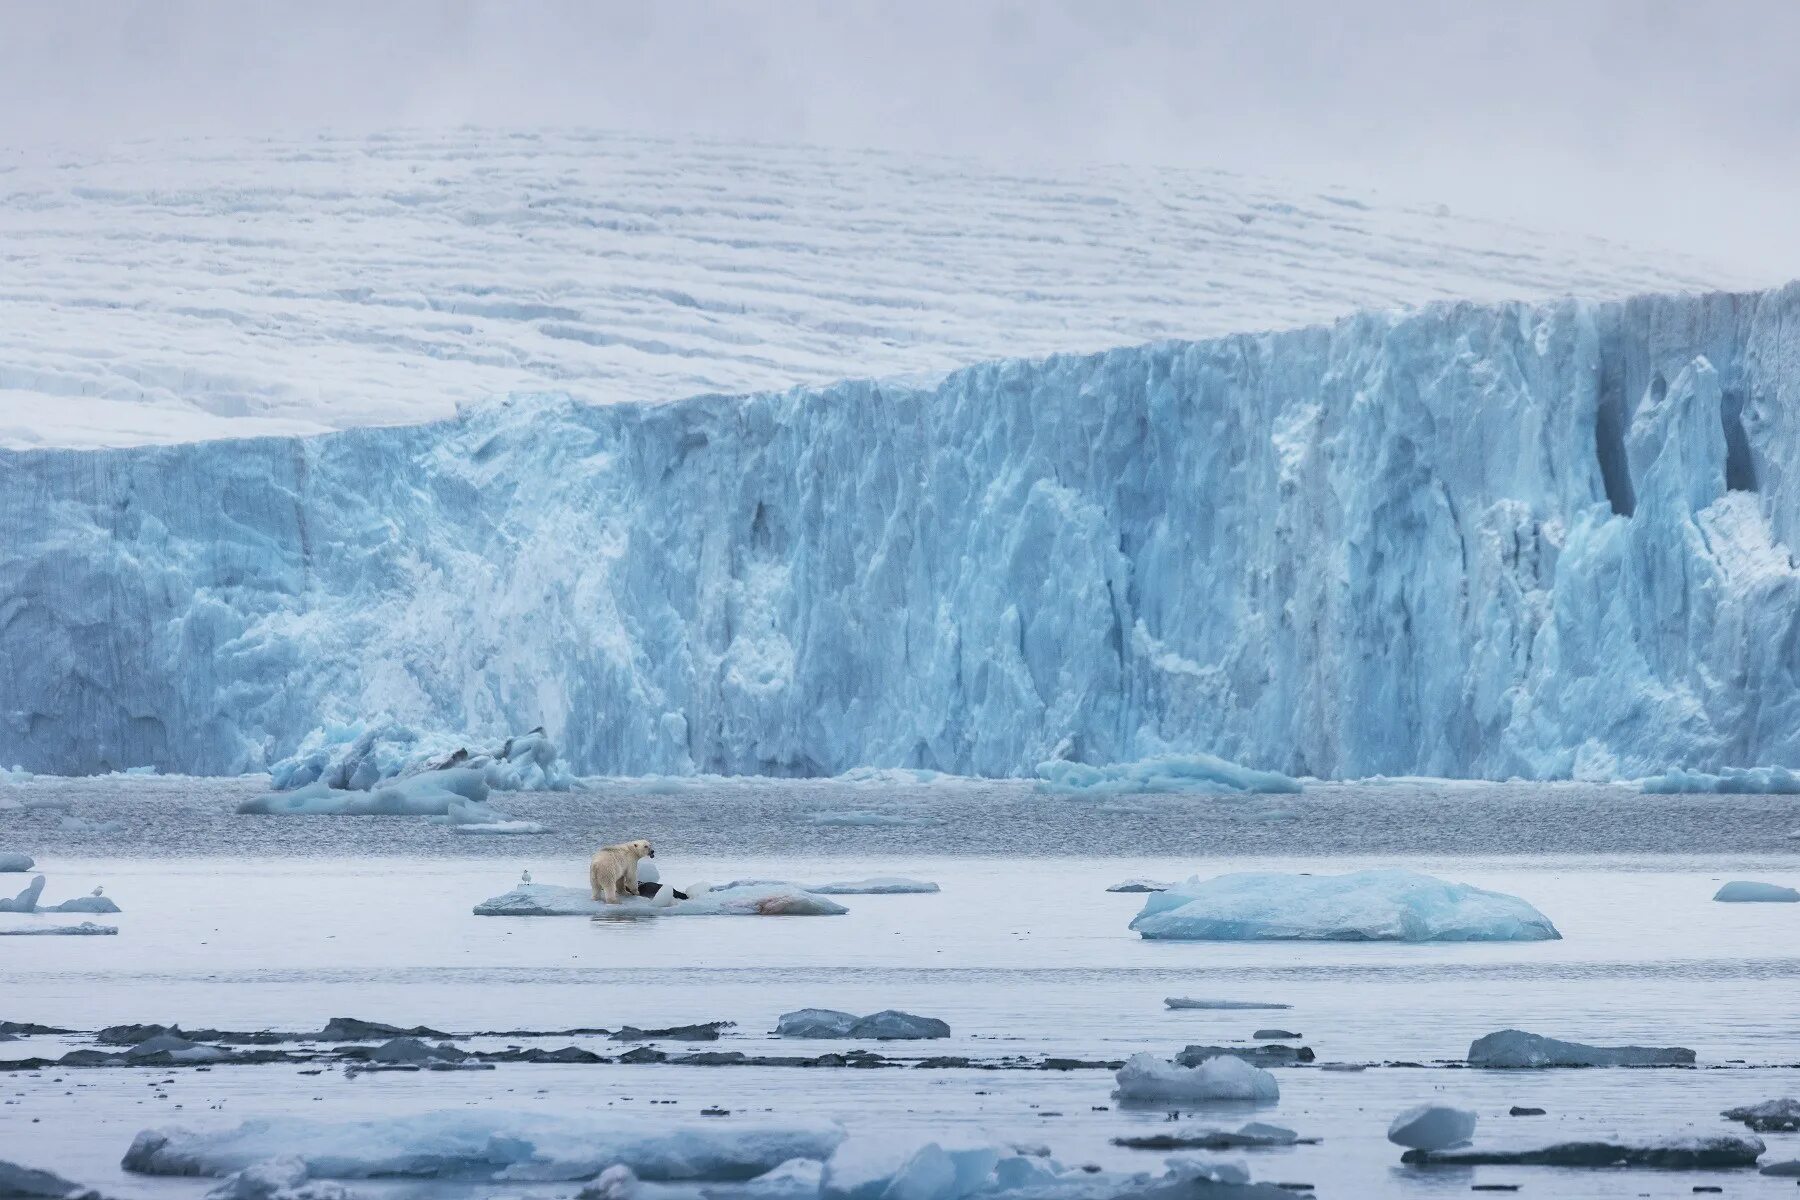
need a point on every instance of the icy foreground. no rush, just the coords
(204, 288)
(1543, 541)
(1362, 906)
(475, 1146)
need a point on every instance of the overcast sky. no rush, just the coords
(1662, 122)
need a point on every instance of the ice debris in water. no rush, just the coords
(284, 1178)
(1383, 905)
(86, 928)
(866, 817)
(1167, 773)
(10, 863)
(1516, 1048)
(1743, 891)
(1145, 1077)
(887, 1025)
(1136, 886)
(1223, 1005)
(884, 885)
(362, 756)
(23, 1182)
(456, 795)
(552, 900)
(27, 901)
(897, 1169)
(1718, 1151)
(486, 1146)
(1771, 1116)
(1732, 780)
(1432, 1127)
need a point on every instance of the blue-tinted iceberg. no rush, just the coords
(755, 900)
(485, 1146)
(1731, 780)
(1387, 905)
(362, 756)
(13, 863)
(1146, 1078)
(1171, 773)
(1744, 891)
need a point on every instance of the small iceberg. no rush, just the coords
(493, 1146)
(14, 863)
(85, 929)
(1743, 891)
(430, 795)
(1390, 905)
(1172, 774)
(1432, 1127)
(889, 1025)
(1771, 1116)
(1743, 781)
(1254, 1135)
(887, 1168)
(1516, 1049)
(1146, 1078)
(27, 901)
(1718, 1152)
(362, 756)
(18, 1181)
(1187, 1002)
(74, 824)
(550, 900)
(1139, 886)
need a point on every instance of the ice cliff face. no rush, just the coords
(1470, 541)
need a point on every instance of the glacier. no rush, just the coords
(1538, 540)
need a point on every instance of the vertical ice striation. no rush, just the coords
(1535, 540)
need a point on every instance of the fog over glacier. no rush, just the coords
(1534, 540)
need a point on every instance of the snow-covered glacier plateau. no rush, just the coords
(1537, 540)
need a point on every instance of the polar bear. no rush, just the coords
(614, 869)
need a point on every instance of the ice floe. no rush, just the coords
(1145, 1077)
(1250, 1136)
(552, 900)
(486, 1146)
(1138, 886)
(887, 1025)
(27, 1183)
(1669, 1154)
(1262, 1056)
(1733, 780)
(1380, 905)
(897, 1169)
(11, 863)
(284, 1178)
(86, 928)
(1167, 773)
(1743, 891)
(1432, 1127)
(885, 885)
(1514, 1048)
(362, 756)
(27, 901)
(1186, 1002)
(1771, 1116)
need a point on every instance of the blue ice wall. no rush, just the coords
(1473, 540)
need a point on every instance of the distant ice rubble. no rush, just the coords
(1742, 891)
(764, 900)
(1731, 780)
(1684, 1153)
(1514, 1048)
(1186, 1002)
(1167, 773)
(14, 863)
(881, 885)
(888, 1025)
(363, 755)
(1378, 905)
(1771, 1116)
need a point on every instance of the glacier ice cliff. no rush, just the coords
(1535, 540)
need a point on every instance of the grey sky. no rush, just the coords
(1665, 123)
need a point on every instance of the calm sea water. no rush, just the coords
(256, 922)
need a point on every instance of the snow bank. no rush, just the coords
(10, 863)
(1170, 773)
(1733, 780)
(1383, 905)
(551, 900)
(1145, 1077)
(361, 756)
(1742, 891)
(1517, 1049)
(486, 1146)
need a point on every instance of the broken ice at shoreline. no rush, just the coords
(1167, 774)
(1732, 780)
(362, 756)
(488, 1145)
(551, 900)
(1382, 905)
(27, 902)
(1225, 1077)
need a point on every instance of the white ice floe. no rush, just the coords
(1432, 1127)
(486, 1146)
(888, 1025)
(1381, 905)
(86, 928)
(1224, 1005)
(364, 755)
(883, 885)
(552, 900)
(1743, 891)
(1167, 773)
(1734, 780)
(1145, 1077)
(10, 863)
(1518, 1049)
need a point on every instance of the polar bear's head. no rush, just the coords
(637, 849)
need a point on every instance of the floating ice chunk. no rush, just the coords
(25, 901)
(95, 903)
(1771, 1116)
(1254, 1135)
(364, 755)
(85, 929)
(23, 1182)
(1146, 1077)
(16, 862)
(15, 775)
(1783, 1170)
(282, 1178)
(1261, 1056)
(1168, 773)
(1432, 1127)
(1668, 1154)
(550, 900)
(1222, 1005)
(1732, 780)
(486, 1146)
(795, 1179)
(1137, 886)
(1390, 905)
(177, 1049)
(431, 794)
(1740, 891)
(889, 1025)
(502, 828)
(868, 817)
(1516, 1048)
